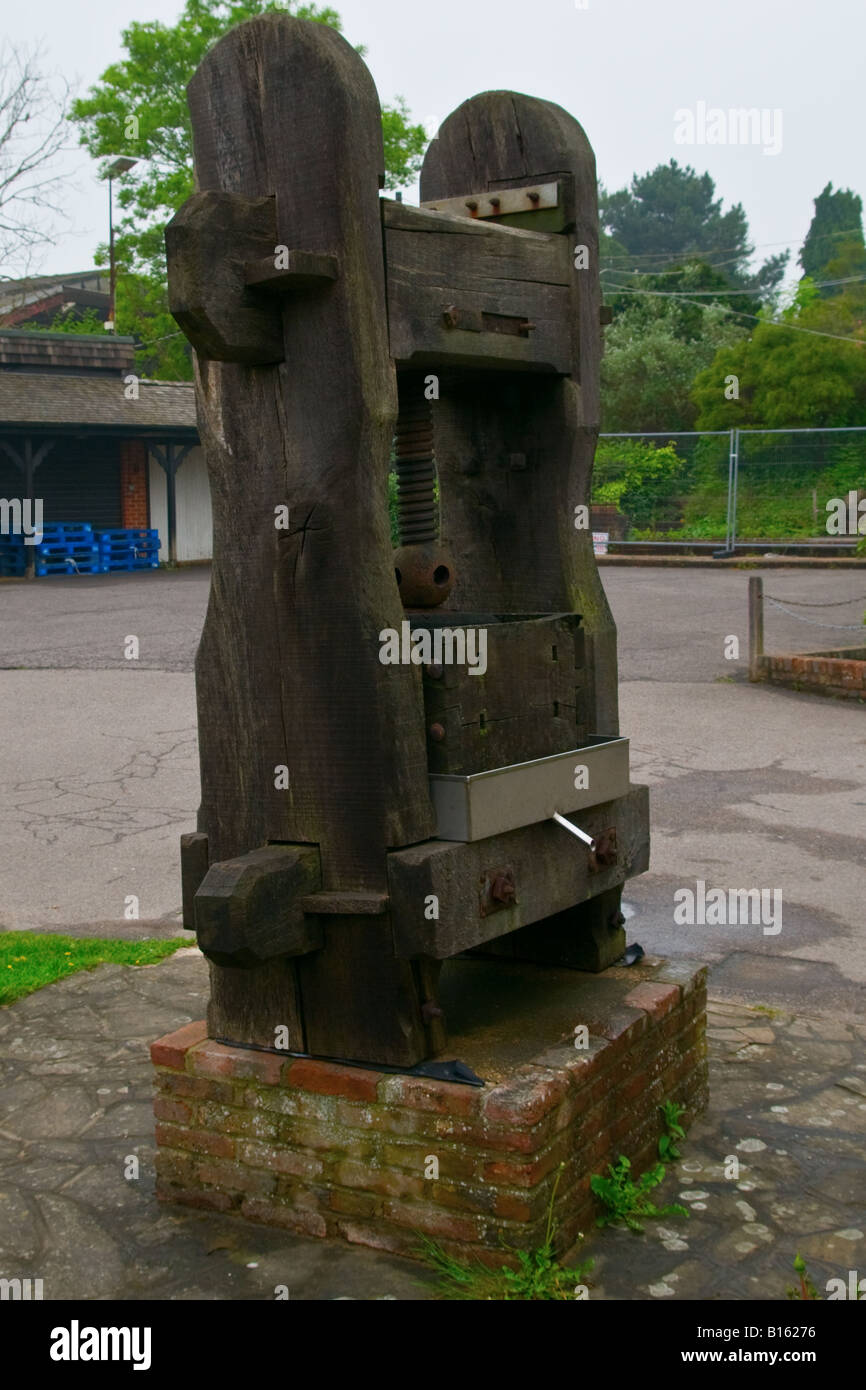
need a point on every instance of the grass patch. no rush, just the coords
(539, 1275)
(30, 960)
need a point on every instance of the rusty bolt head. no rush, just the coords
(430, 1010)
(616, 919)
(502, 889)
(436, 732)
(602, 852)
(435, 672)
(450, 316)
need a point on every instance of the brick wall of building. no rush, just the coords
(133, 483)
(329, 1150)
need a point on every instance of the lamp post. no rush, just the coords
(119, 166)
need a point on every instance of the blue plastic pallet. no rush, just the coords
(119, 536)
(115, 566)
(60, 567)
(120, 552)
(68, 543)
(55, 534)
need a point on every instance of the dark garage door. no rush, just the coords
(79, 480)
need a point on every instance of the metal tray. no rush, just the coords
(506, 798)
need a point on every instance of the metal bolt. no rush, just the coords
(502, 888)
(435, 673)
(436, 732)
(430, 1010)
(450, 317)
(534, 197)
(616, 919)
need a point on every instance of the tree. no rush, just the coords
(671, 215)
(138, 108)
(653, 349)
(788, 377)
(836, 230)
(33, 111)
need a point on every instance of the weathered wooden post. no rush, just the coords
(756, 628)
(340, 791)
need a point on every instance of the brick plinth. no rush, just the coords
(329, 1150)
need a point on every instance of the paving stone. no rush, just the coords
(66, 1112)
(20, 1235)
(764, 1036)
(82, 1103)
(79, 1258)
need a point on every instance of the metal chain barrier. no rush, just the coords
(815, 622)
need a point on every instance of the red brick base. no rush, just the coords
(841, 673)
(329, 1150)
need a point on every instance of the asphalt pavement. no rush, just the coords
(752, 787)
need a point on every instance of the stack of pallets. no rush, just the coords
(75, 548)
(128, 549)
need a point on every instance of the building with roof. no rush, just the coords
(80, 431)
(38, 299)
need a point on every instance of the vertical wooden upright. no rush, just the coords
(534, 559)
(288, 143)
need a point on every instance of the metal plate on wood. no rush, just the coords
(506, 798)
(499, 203)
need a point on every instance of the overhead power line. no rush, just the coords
(712, 294)
(722, 250)
(742, 314)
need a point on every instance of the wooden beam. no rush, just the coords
(551, 874)
(247, 910)
(499, 299)
(301, 270)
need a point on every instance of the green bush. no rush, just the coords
(643, 480)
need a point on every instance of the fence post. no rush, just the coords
(756, 627)
(730, 492)
(735, 470)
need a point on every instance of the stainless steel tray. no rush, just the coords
(506, 798)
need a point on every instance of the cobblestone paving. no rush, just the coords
(788, 1102)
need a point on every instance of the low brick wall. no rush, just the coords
(329, 1150)
(840, 672)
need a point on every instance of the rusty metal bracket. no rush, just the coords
(501, 203)
(602, 851)
(497, 891)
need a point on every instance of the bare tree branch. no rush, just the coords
(33, 131)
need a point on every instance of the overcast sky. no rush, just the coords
(622, 67)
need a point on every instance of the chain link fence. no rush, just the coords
(779, 486)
